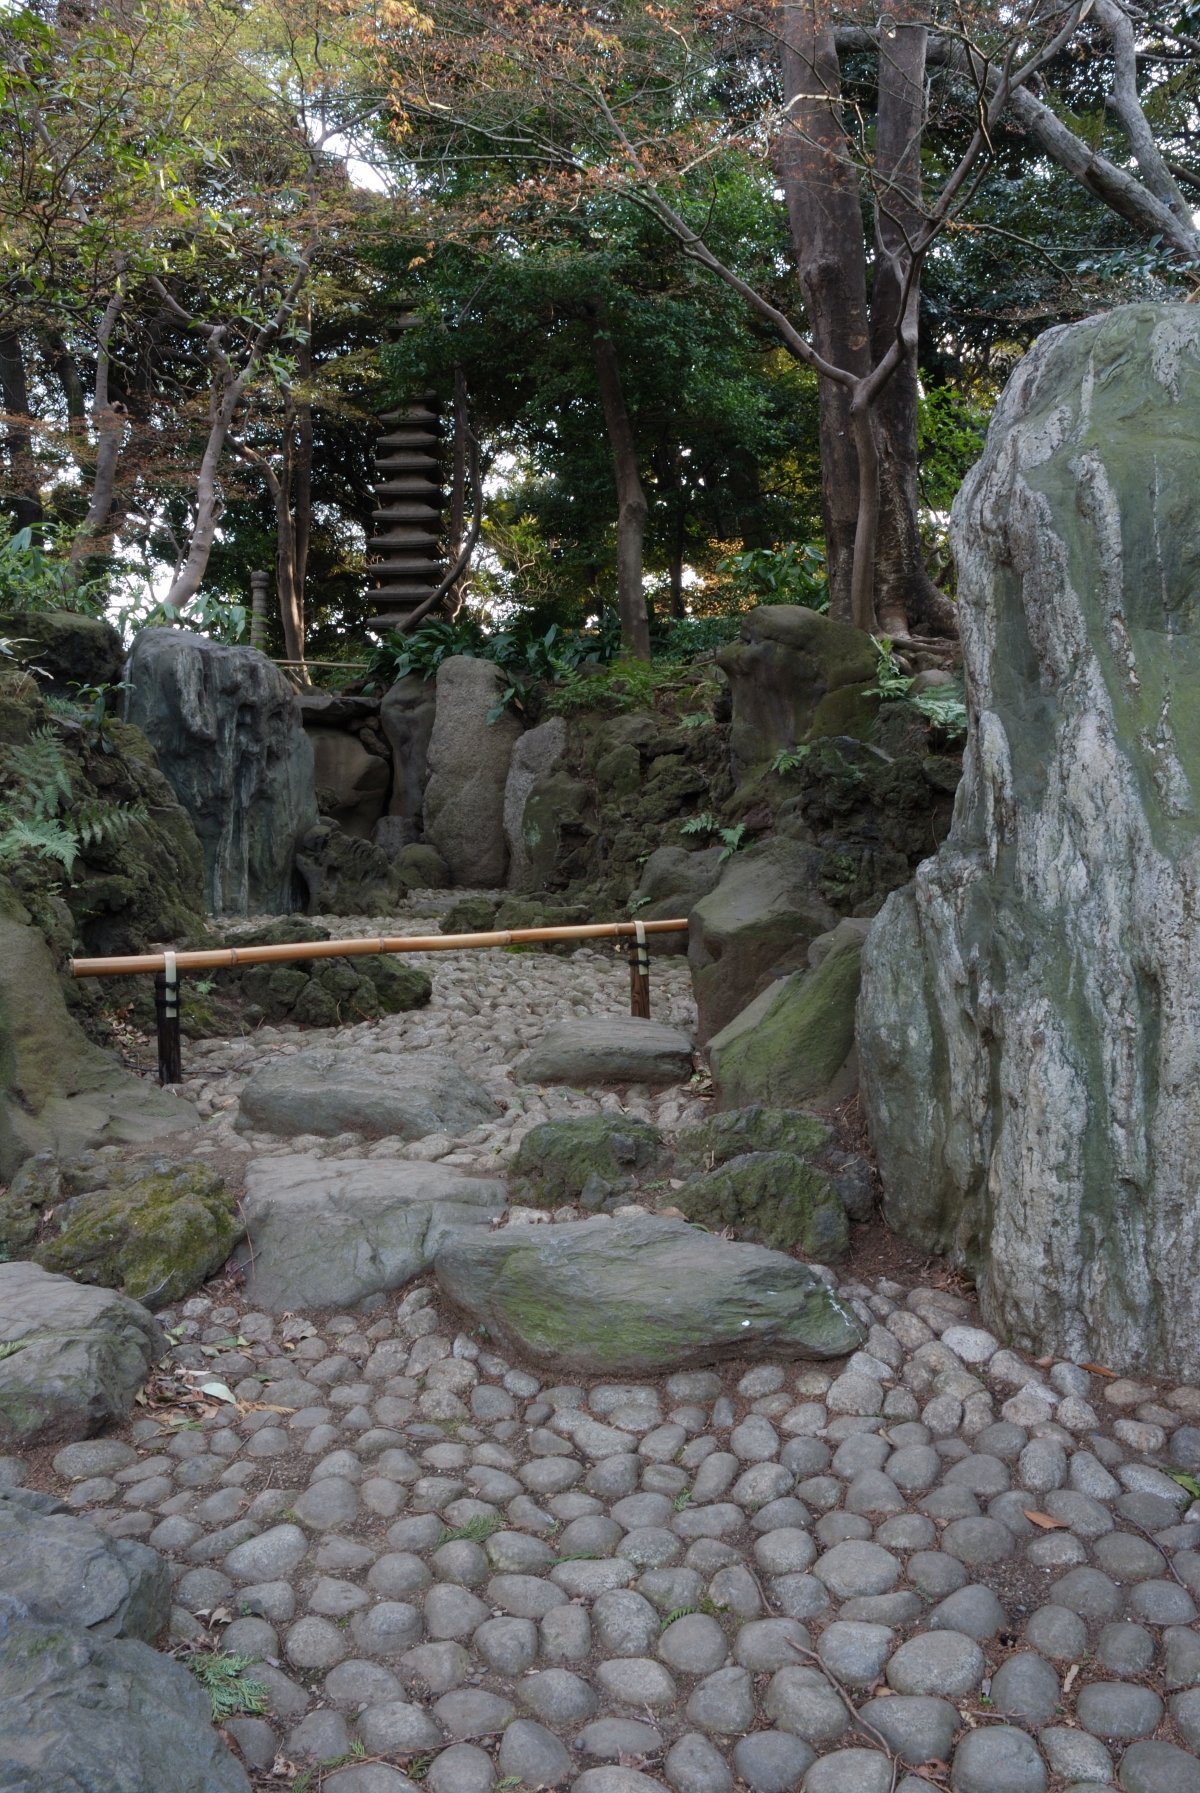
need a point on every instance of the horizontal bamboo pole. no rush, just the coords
(340, 949)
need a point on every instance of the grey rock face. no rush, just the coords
(91, 1714)
(83, 1355)
(345, 875)
(535, 755)
(375, 1093)
(327, 1233)
(352, 784)
(468, 769)
(609, 1049)
(672, 883)
(1077, 822)
(227, 729)
(406, 713)
(634, 1295)
(764, 912)
(64, 1571)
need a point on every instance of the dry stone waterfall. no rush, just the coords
(1029, 1023)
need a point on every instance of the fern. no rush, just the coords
(49, 839)
(40, 768)
(220, 1676)
(98, 821)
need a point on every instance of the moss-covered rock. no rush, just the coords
(772, 1198)
(560, 1157)
(398, 985)
(755, 1129)
(471, 915)
(156, 1234)
(788, 1045)
(422, 867)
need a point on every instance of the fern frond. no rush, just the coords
(98, 821)
(43, 779)
(39, 835)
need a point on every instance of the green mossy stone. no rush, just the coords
(771, 1198)
(315, 1006)
(850, 710)
(559, 1156)
(755, 1129)
(156, 1237)
(669, 791)
(619, 771)
(785, 1048)
(398, 986)
(470, 915)
(275, 988)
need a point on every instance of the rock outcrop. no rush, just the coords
(227, 729)
(796, 674)
(58, 1091)
(77, 1356)
(636, 1296)
(1030, 1008)
(756, 923)
(468, 761)
(346, 875)
(406, 713)
(535, 756)
(67, 649)
(65, 1571)
(794, 1044)
(327, 1234)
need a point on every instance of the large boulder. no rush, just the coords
(81, 1714)
(351, 784)
(773, 1198)
(672, 882)
(639, 1296)
(77, 1356)
(329, 1233)
(64, 1571)
(608, 1049)
(228, 732)
(794, 1044)
(156, 1232)
(796, 675)
(380, 1094)
(407, 712)
(468, 769)
(70, 650)
(1030, 1008)
(760, 917)
(59, 1092)
(536, 755)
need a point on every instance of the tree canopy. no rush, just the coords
(606, 221)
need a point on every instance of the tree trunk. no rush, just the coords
(27, 506)
(108, 420)
(458, 488)
(631, 500)
(302, 499)
(906, 599)
(820, 186)
(66, 370)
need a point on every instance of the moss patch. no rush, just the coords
(772, 1198)
(559, 1157)
(755, 1129)
(156, 1236)
(787, 1045)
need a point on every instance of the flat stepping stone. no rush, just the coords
(329, 1232)
(641, 1294)
(606, 1049)
(405, 1095)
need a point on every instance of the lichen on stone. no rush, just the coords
(771, 1198)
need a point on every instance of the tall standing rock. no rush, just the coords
(536, 755)
(230, 740)
(468, 769)
(406, 713)
(1029, 1024)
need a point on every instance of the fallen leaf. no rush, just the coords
(1098, 1370)
(672, 1213)
(1044, 1520)
(1069, 1679)
(1043, 1363)
(219, 1392)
